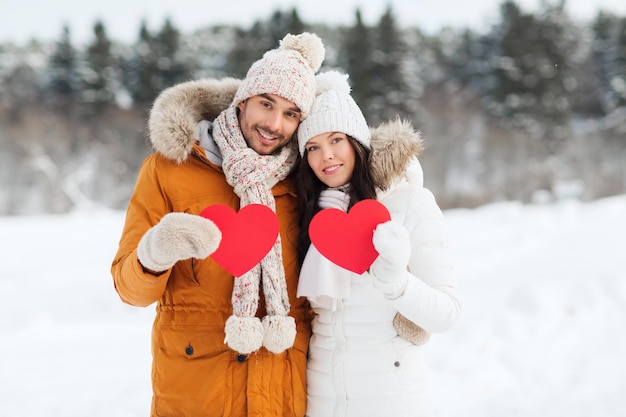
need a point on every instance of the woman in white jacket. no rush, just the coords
(365, 357)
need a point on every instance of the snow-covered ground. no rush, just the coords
(543, 331)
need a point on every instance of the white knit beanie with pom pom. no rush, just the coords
(288, 71)
(334, 110)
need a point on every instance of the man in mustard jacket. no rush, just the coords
(222, 345)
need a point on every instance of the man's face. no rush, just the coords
(268, 122)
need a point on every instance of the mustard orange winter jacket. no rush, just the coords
(194, 373)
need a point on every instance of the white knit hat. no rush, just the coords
(288, 71)
(334, 110)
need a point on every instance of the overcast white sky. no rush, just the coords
(21, 20)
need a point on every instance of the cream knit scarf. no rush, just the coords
(253, 176)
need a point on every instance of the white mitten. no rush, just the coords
(393, 244)
(333, 198)
(177, 236)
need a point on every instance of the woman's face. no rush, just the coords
(331, 157)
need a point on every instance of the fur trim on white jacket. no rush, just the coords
(395, 146)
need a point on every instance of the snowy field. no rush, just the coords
(543, 332)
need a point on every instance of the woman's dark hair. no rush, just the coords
(310, 187)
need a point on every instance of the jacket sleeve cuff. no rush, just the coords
(138, 287)
(393, 289)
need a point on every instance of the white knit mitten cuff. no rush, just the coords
(145, 253)
(177, 236)
(391, 288)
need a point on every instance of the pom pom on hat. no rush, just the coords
(288, 71)
(308, 45)
(332, 80)
(334, 110)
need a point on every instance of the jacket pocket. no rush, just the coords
(409, 363)
(191, 371)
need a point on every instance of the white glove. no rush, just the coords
(393, 244)
(176, 237)
(333, 198)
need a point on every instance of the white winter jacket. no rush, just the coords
(358, 366)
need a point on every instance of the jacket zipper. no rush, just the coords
(339, 361)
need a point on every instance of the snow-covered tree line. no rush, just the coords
(534, 107)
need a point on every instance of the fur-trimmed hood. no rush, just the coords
(174, 117)
(395, 147)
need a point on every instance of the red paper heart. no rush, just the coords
(346, 238)
(247, 236)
